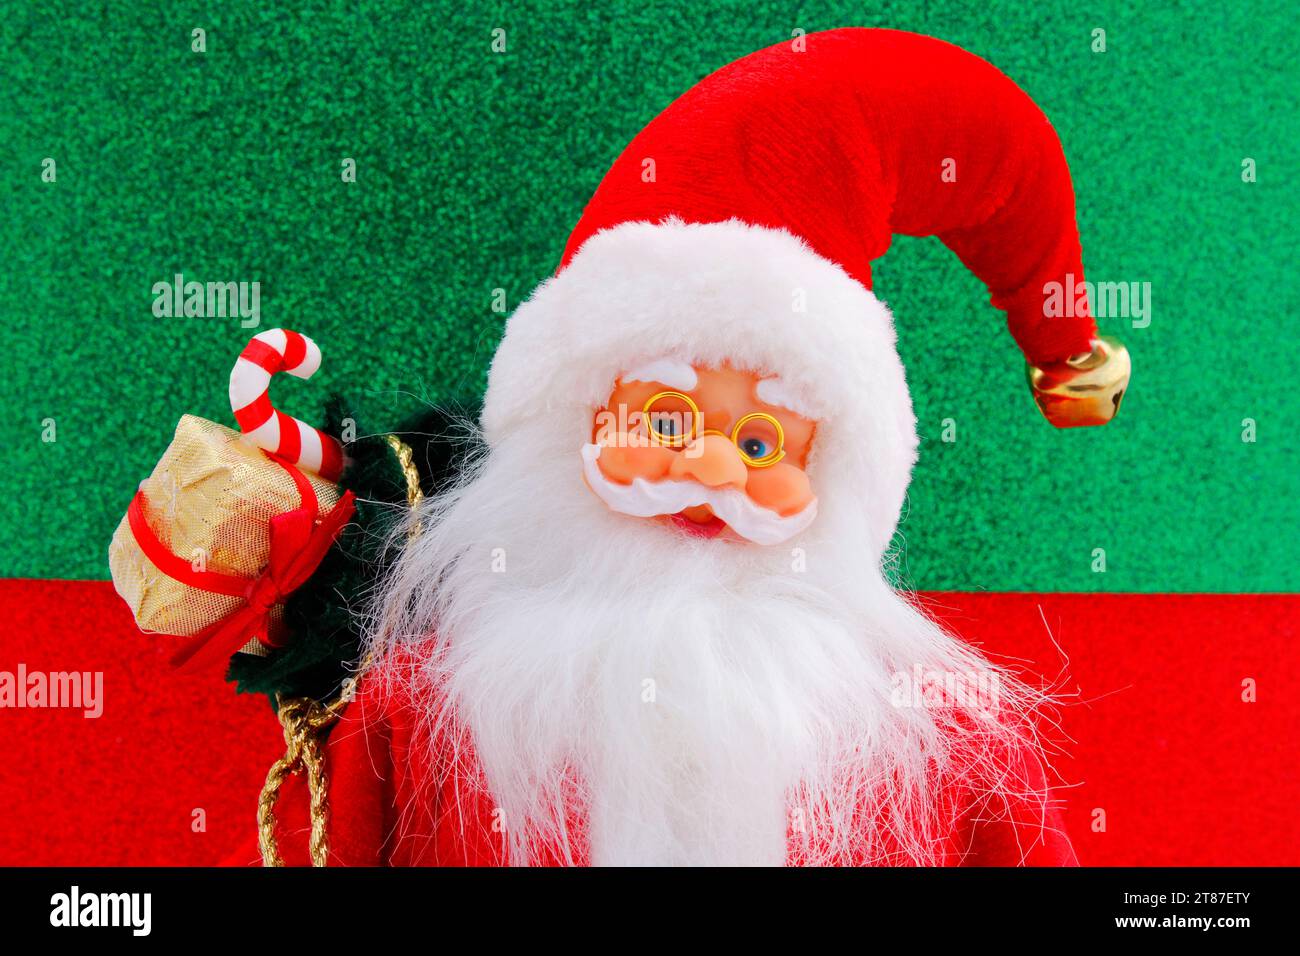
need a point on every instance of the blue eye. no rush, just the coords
(760, 439)
(665, 425)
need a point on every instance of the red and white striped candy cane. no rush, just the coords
(280, 350)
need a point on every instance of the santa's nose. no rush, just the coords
(711, 460)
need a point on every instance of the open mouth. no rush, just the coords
(710, 527)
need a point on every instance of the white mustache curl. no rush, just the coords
(644, 499)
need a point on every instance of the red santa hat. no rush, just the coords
(740, 226)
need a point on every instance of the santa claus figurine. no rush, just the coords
(648, 623)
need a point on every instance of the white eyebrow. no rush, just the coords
(773, 391)
(671, 372)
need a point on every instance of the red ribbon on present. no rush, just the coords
(299, 540)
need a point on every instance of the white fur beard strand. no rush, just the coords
(693, 701)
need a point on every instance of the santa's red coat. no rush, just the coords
(393, 802)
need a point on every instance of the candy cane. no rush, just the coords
(280, 350)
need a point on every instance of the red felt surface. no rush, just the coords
(121, 789)
(1186, 772)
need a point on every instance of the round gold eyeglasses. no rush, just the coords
(674, 420)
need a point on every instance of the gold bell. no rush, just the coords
(1085, 389)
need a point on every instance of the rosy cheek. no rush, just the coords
(621, 461)
(784, 488)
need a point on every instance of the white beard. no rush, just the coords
(693, 701)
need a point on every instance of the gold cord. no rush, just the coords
(305, 722)
(406, 458)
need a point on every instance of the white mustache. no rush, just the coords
(645, 499)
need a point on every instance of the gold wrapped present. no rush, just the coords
(217, 537)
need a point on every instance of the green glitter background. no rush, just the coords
(474, 166)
